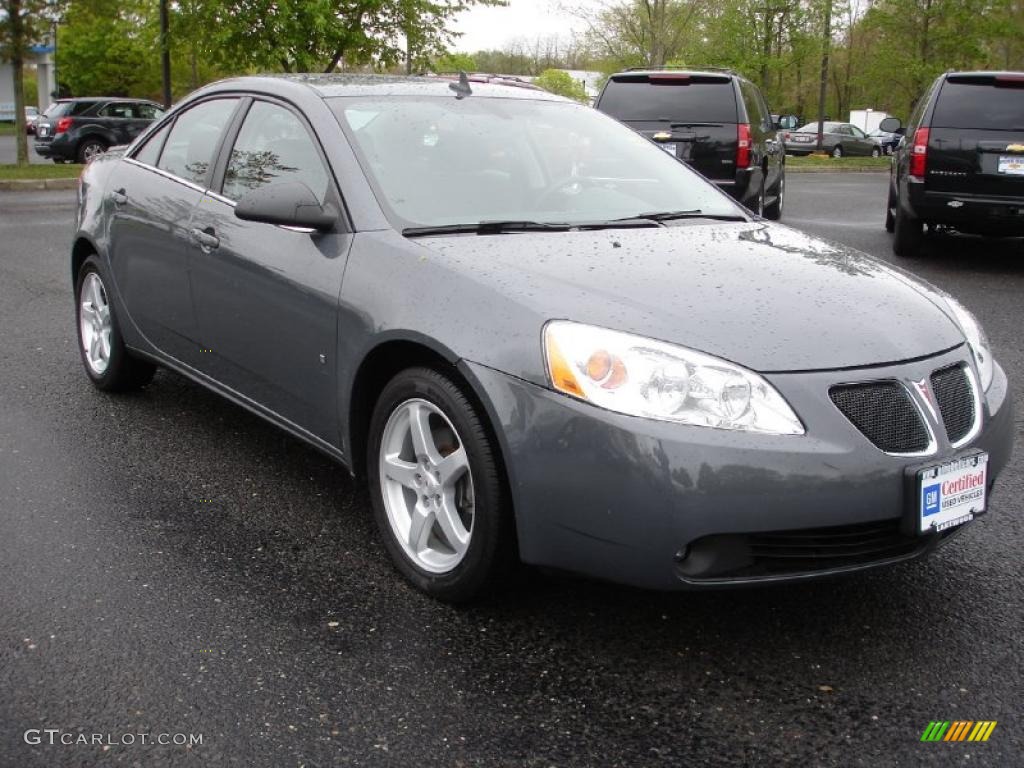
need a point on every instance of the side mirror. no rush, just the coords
(287, 204)
(890, 125)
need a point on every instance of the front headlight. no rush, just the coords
(642, 377)
(976, 340)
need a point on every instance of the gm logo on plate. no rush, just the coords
(932, 499)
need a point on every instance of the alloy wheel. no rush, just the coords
(94, 323)
(427, 486)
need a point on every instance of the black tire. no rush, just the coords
(87, 149)
(908, 234)
(123, 372)
(773, 211)
(876, 152)
(837, 150)
(890, 220)
(491, 551)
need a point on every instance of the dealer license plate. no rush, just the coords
(43, 130)
(951, 493)
(670, 148)
(1011, 164)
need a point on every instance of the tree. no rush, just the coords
(563, 84)
(647, 32)
(22, 23)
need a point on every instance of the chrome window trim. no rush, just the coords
(165, 174)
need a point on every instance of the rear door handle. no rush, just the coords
(120, 197)
(205, 238)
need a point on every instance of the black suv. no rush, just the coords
(715, 121)
(76, 130)
(961, 162)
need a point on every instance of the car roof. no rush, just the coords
(983, 73)
(331, 86)
(104, 99)
(641, 71)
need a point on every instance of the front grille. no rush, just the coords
(884, 413)
(955, 398)
(806, 550)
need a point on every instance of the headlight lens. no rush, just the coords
(642, 377)
(976, 339)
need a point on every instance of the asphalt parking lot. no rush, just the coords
(171, 564)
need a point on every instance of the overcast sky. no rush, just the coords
(487, 28)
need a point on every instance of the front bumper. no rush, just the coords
(667, 506)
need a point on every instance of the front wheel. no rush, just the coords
(107, 361)
(436, 486)
(837, 151)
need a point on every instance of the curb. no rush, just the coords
(34, 185)
(801, 169)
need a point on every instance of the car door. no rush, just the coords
(864, 142)
(266, 296)
(773, 142)
(114, 119)
(143, 113)
(152, 194)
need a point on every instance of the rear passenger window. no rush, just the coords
(150, 151)
(193, 139)
(979, 105)
(273, 147)
(119, 109)
(147, 111)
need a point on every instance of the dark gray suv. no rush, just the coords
(537, 335)
(77, 130)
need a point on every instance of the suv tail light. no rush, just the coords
(919, 154)
(743, 142)
(63, 124)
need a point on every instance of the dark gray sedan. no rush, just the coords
(538, 336)
(838, 140)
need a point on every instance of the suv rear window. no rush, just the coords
(981, 104)
(699, 99)
(65, 108)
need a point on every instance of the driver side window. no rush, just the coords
(273, 146)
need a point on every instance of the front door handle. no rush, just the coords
(205, 238)
(120, 197)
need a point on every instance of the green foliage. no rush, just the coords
(454, 62)
(563, 84)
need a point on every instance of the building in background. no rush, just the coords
(41, 58)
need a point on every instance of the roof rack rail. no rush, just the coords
(670, 67)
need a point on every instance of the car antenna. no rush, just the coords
(461, 88)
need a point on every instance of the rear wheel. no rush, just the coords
(773, 210)
(436, 486)
(837, 151)
(90, 149)
(107, 361)
(890, 220)
(908, 234)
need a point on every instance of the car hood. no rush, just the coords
(762, 295)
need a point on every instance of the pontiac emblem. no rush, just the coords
(925, 393)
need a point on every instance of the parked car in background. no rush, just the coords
(639, 380)
(888, 141)
(715, 121)
(839, 139)
(962, 163)
(786, 122)
(31, 115)
(77, 130)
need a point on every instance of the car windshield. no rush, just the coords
(813, 127)
(439, 161)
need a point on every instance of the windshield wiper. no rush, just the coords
(485, 228)
(503, 227)
(696, 213)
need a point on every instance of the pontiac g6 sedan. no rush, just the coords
(538, 336)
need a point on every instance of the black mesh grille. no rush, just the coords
(956, 401)
(808, 550)
(884, 412)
